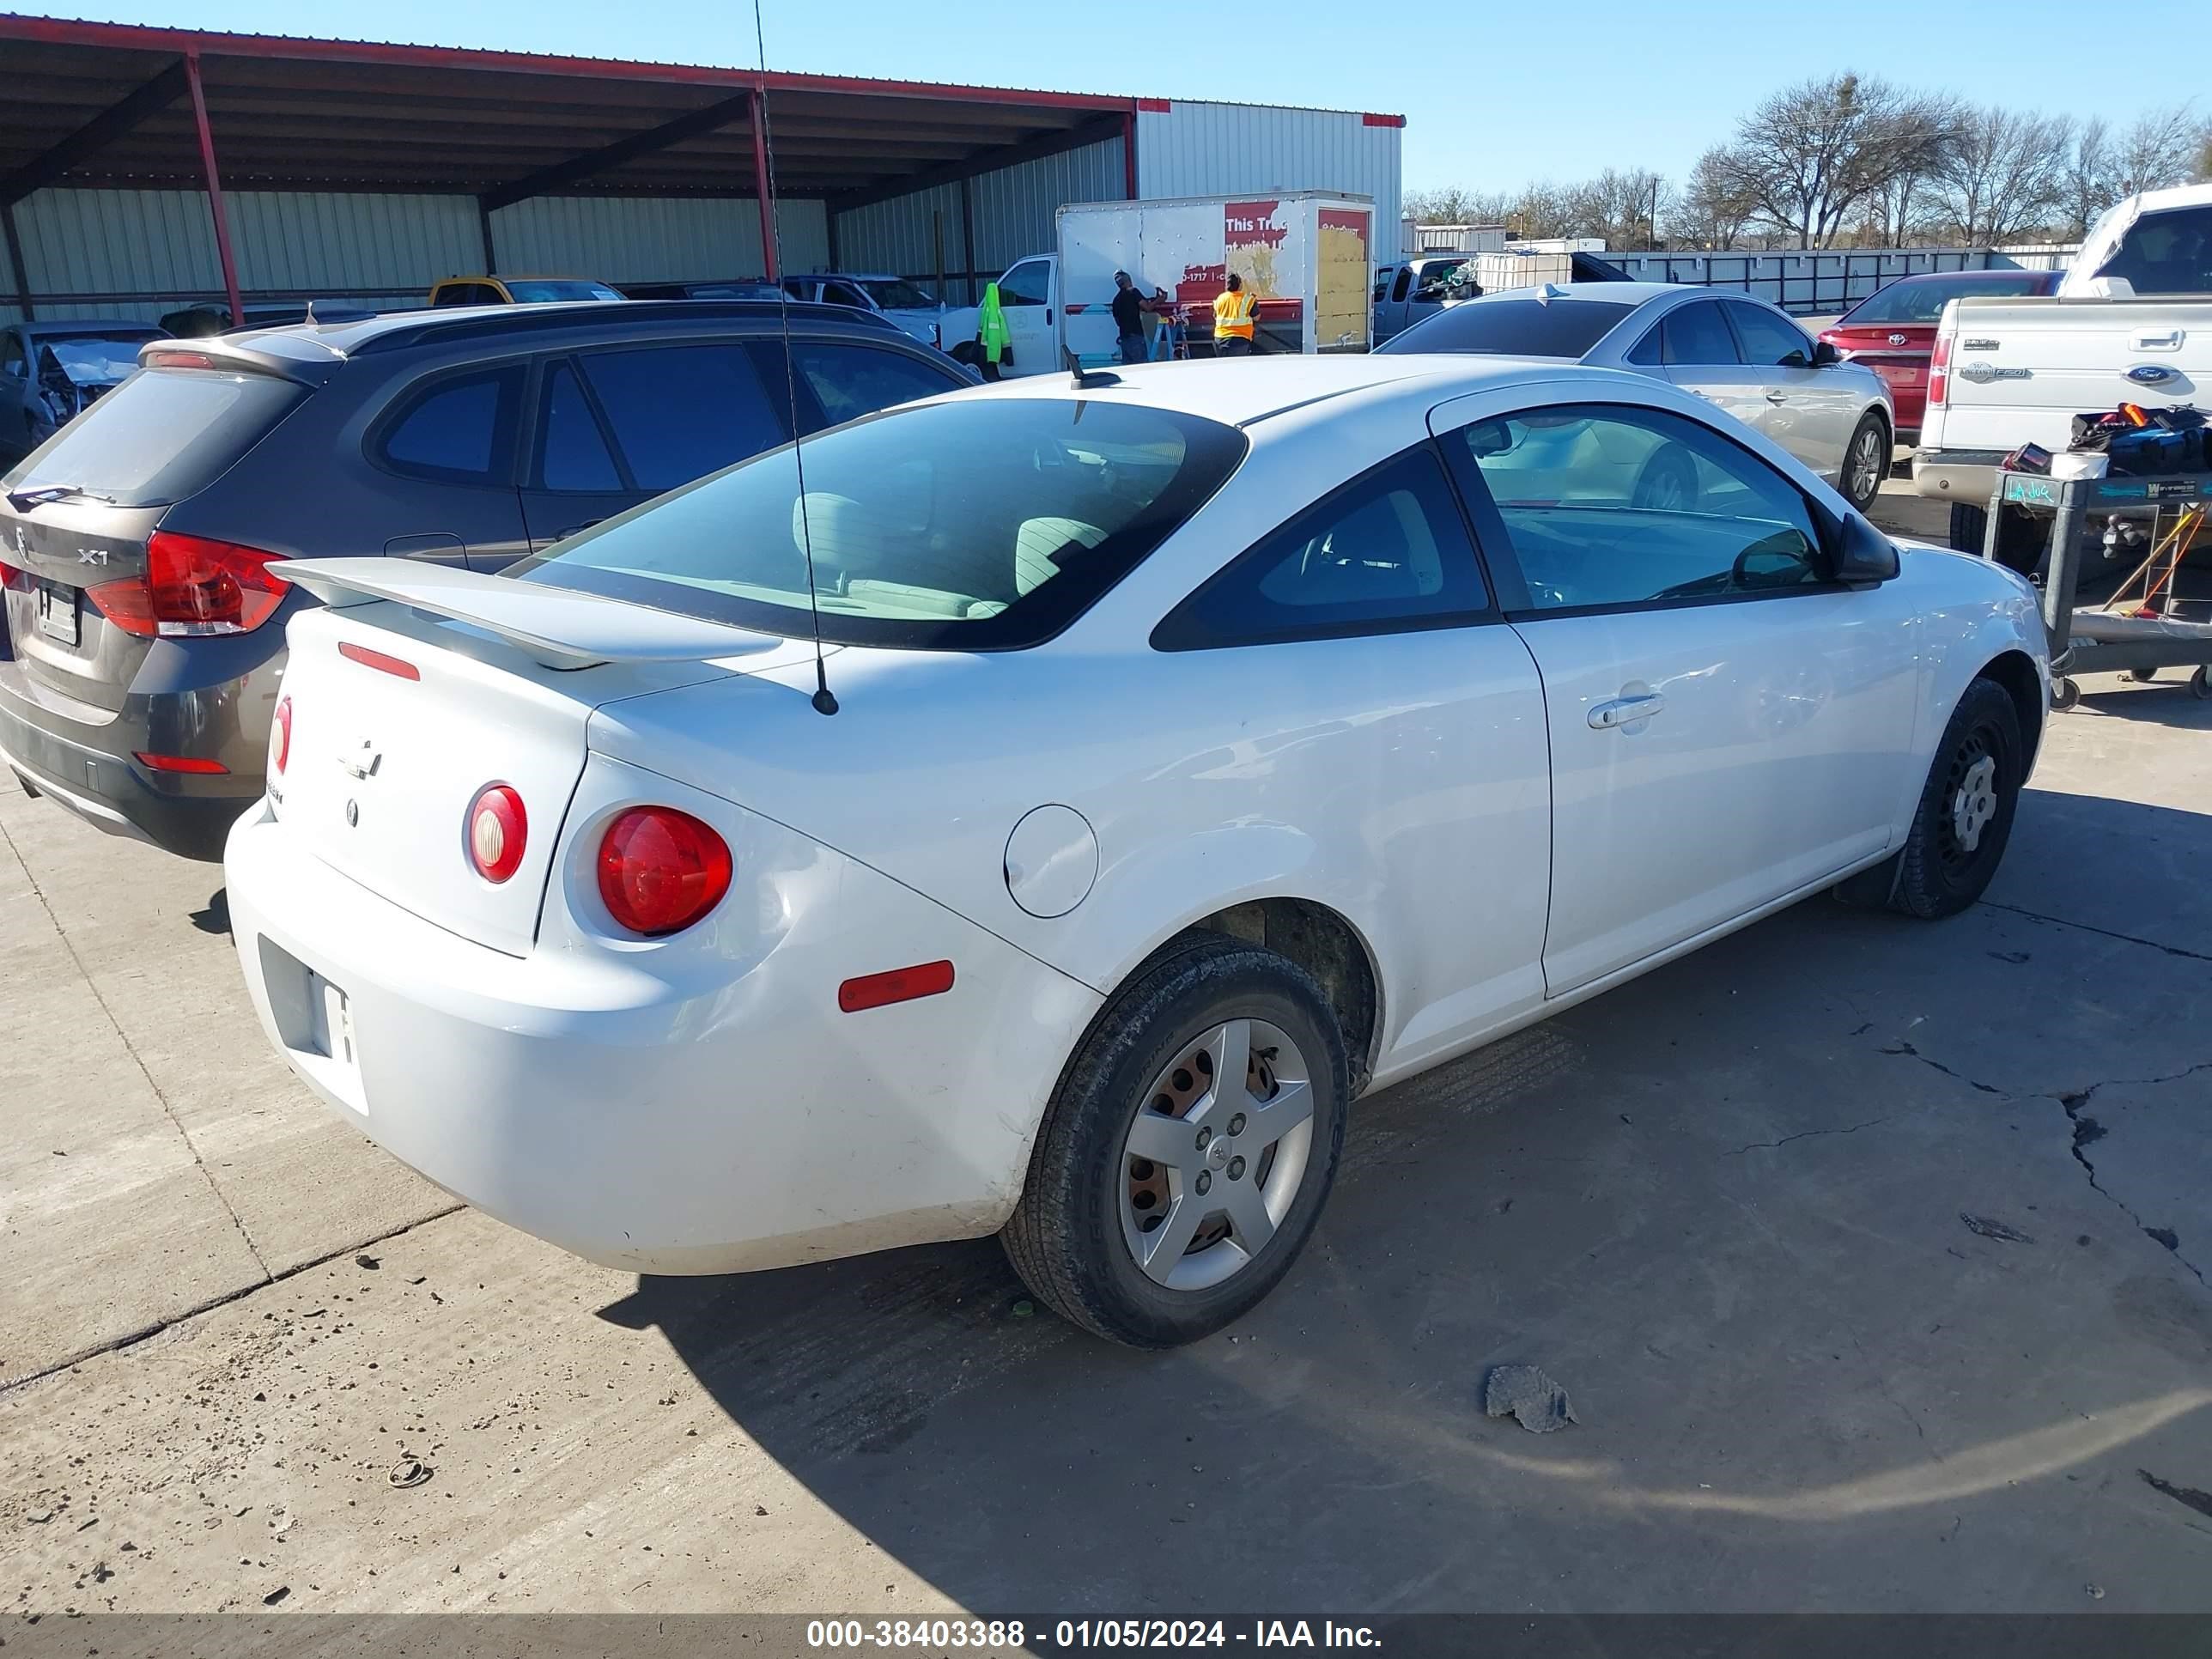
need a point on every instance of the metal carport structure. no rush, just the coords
(109, 106)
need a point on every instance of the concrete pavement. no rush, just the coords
(1872, 1255)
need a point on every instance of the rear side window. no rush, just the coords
(1387, 551)
(1514, 327)
(849, 382)
(1697, 336)
(2168, 252)
(680, 412)
(458, 430)
(161, 435)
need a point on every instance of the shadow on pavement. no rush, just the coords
(1722, 1206)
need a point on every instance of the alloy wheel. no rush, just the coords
(1214, 1156)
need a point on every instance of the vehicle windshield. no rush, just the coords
(95, 359)
(1923, 302)
(1514, 328)
(528, 292)
(961, 524)
(160, 436)
(2168, 252)
(896, 294)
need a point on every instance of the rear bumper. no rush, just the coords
(697, 1112)
(1956, 475)
(88, 769)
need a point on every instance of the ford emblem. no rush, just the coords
(2151, 374)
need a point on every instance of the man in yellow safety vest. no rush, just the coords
(1233, 312)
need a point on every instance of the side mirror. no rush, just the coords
(1825, 354)
(1863, 554)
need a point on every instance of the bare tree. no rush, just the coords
(2004, 173)
(1713, 209)
(2085, 179)
(1812, 154)
(2162, 147)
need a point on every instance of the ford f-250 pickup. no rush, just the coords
(2132, 323)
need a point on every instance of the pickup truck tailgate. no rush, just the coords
(2018, 371)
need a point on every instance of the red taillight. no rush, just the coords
(1939, 377)
(280, 736)
(192, 763)
(661, 869)
(193, 586)
(171, 358)
(496, 829)
(925, 979)
(395, 666)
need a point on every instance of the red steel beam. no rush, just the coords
(768, 261)
(1129, 154)
(214, 189)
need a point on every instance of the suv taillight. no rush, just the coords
(280, 736)
(661, 869)
(193, 586)
(1939, 367)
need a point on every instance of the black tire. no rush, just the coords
(971, 353)
(2200, 685)
(1939, 874)
(1970, 527)
(1065, 1237)
(2064, 694)
(1667, 482)
(1872, 480)
(2143, 675)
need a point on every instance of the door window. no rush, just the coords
(457, 431)
(12, 361)
(1404, 281)
(1607, 507)
(1387, 551)
(1649, 352)
(849, 382)
(1028, 283)
(468, 294)
(1697, 336)
(1769, 340)
(843, 294)
(680, 412)
(573, 452)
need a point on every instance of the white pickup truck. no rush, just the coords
(2132, 323)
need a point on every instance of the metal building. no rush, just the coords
(143, 168)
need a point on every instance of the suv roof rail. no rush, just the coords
(539, 320)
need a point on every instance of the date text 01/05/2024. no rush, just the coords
(994, 1635)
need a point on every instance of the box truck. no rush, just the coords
(1306, 257)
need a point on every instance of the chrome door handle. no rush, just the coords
(1777, 396)
(1625, 711)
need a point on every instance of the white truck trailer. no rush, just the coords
(1305, 256)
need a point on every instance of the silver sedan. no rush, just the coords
(1741, 354)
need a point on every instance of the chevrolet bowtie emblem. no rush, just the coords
(362, 762)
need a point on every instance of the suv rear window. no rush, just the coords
(959, 525)
(1514, 328)
(161, 435)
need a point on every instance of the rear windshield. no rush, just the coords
(1514, 328)
(528, 293)
(2168, 252)
(899, 295)
(1923, 302)
(161, 435)
(982, 524)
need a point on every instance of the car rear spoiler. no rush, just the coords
(559, 627)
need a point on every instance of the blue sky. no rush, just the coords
(1494, 94)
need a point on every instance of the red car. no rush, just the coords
(1893, 330)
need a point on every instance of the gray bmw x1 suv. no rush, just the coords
(144, 635)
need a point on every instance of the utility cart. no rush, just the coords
(2030, 511)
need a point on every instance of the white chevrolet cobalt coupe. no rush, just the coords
(1210, 743)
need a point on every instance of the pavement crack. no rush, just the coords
(131, 1049)
(2087, 1131)
(2188, 1496)
(2105, 933)
(1808, 1134)
(1902, 1046)
(132, 1339)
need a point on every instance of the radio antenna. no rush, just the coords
(824, 703)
